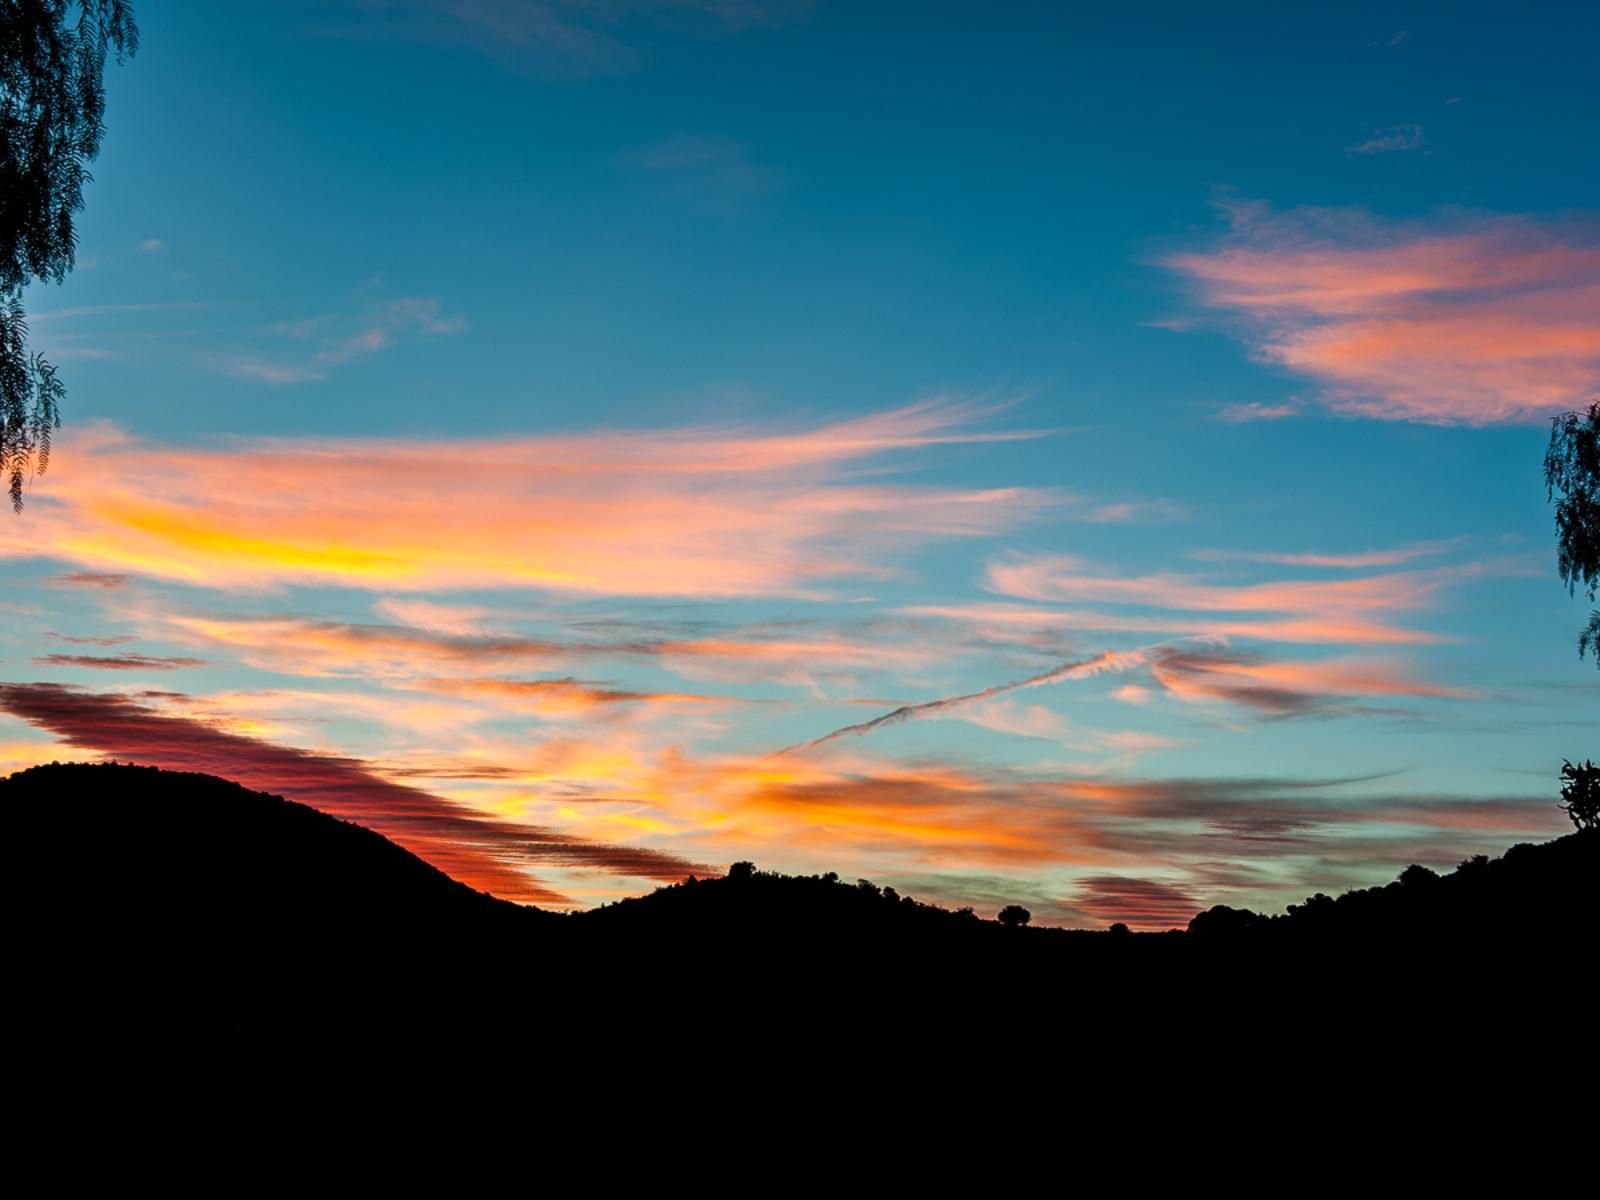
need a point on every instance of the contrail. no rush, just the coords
(1111, 660)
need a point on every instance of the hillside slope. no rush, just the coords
(144, 899)
(130, 844)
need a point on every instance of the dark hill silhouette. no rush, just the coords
(181, 904)
(138, 845)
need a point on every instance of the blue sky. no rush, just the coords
(1146, 315)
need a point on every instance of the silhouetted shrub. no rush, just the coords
(1220, 920)
(740, 871)
(1581, 794)
(1416, 876)
(1014, 916)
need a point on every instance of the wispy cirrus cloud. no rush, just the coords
(711, 171)
(685, 512)
(402, 655)
(103, 580)
(1280, 688)
(118, 662)
(488, 853)
(1462, 318)
(340, 342)
(559, 37)
(1352, 610)
(1098, 664)
(567, 696)
(1392, 557)
(1244, 414)
(1034, 626)
(1201, 615)
(453, 620)
(1390, 139)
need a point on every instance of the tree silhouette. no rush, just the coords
(1014, 916)
(52, 116)
(1581, 794)
(1572, 472)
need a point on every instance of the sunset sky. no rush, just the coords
(1082, 456)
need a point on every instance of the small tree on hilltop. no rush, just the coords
(1581, 794)
(1014, 916)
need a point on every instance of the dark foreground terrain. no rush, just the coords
(184, 912)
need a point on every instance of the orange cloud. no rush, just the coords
(846, 810)
(693, 512)
(566, 696)
(1463, 320)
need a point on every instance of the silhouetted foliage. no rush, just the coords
(1014, 916)
(1416, 876)
(1222, 921)
(1580, 794)
(1572, 473)
(52, 117)
(741, 871)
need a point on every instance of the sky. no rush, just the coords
(1018, 453)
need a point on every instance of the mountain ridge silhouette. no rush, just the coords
(155, 900)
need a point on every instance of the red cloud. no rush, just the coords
(1143, 903)
(488, 854)
(1464, 320)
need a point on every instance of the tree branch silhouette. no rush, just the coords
(1572, 473)
(52, 117)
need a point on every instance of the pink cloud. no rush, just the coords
(1462, 319)
(1063, 577)
(1278, 688)
(1364, 558)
